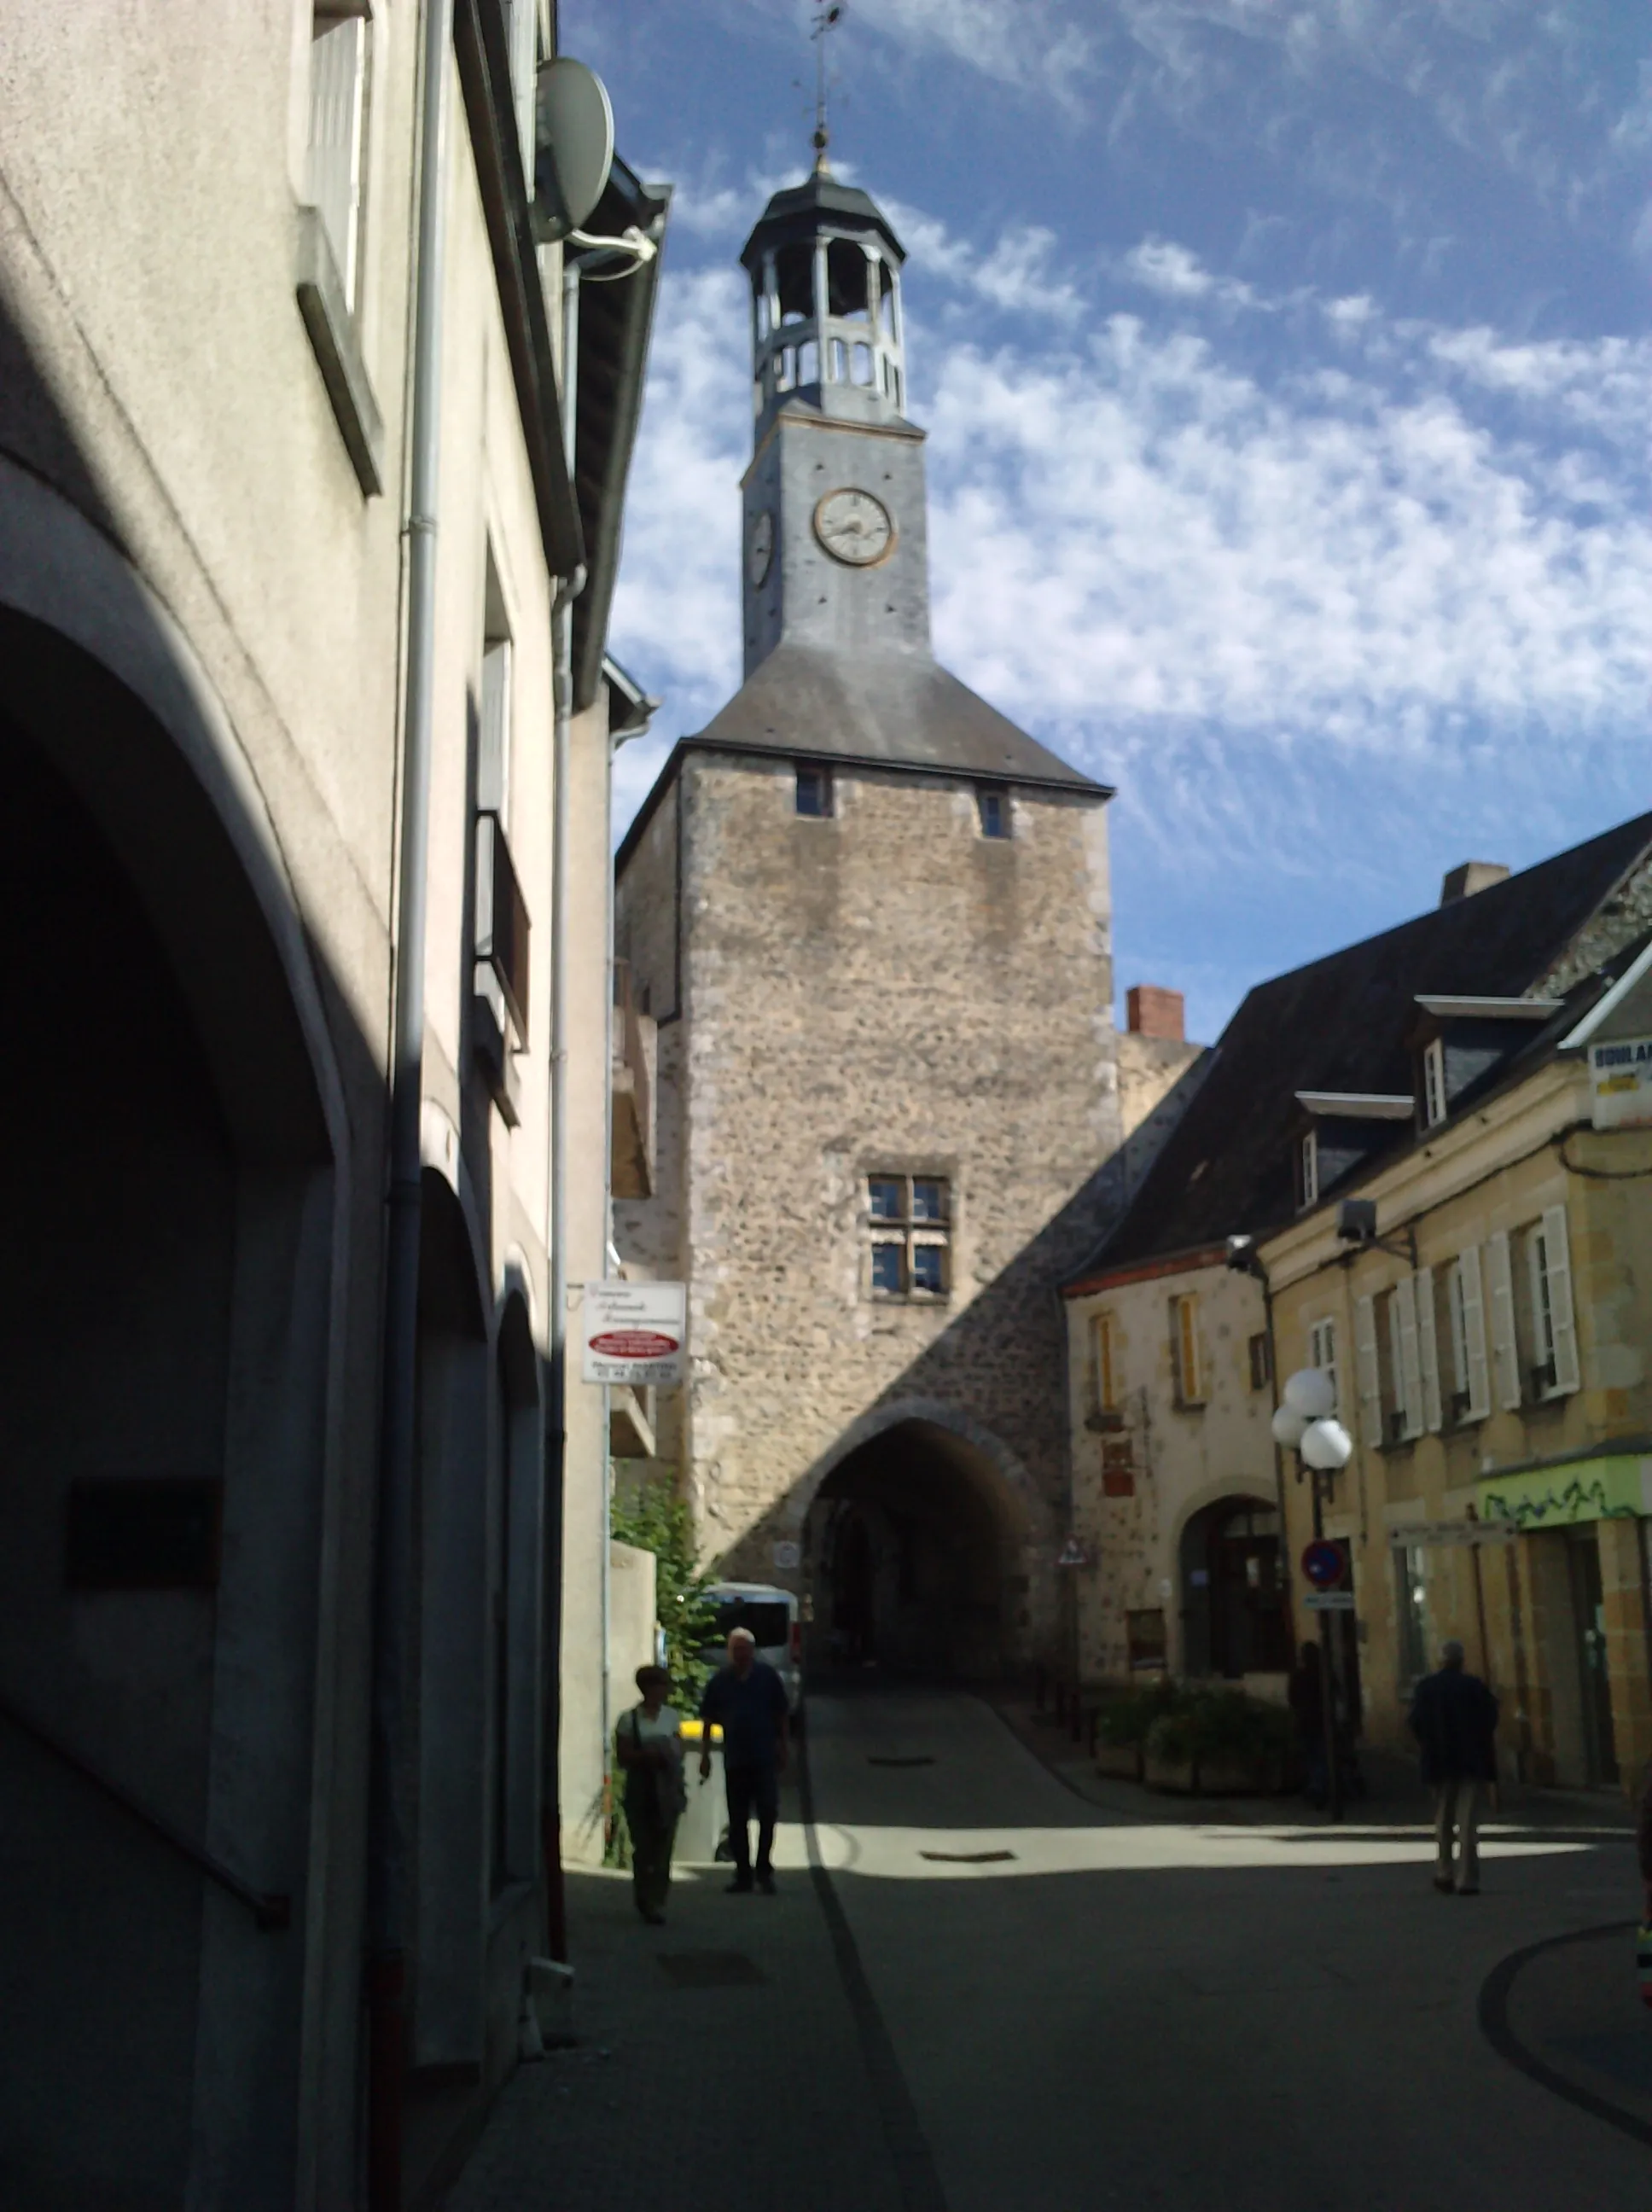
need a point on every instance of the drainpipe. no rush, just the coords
(388, 1886)
(557, 1331)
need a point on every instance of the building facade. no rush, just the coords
(1176, 1354)
(224, 453)
(1491, 1355)
(871, 918)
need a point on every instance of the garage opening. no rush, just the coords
(913, 1554)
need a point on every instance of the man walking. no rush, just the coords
(1454, 1717)
(748, 1701)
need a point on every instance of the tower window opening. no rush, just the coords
(813, 794)
(762, 316)
(785, 364)
(908, 1223)
(895, 376)
(794, 283)
(840, 361)
(864, 371)
(886, 301)
(809, 362)
(848, 280)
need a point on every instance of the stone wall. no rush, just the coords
(882, 990)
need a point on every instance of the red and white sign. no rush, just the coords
(636, 1335)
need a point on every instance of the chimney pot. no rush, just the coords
(1152, 1011)
(1469, 876)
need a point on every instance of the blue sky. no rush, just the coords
(1288, 376)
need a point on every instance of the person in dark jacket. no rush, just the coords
(1454, 1717)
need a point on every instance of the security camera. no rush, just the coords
(1357, 1221)
(1242, 1253)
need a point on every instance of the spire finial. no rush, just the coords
(828, 15)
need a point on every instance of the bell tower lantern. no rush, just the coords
(835, 529)
(825, 271)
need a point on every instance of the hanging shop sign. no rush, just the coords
(1620, 1082)
(636, 1335)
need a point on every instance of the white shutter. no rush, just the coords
(1410, 1377)
(1561, 1321)
(1370, 1379)
(1428, 1350)
(1505, 1353)
(335, 183)
(1476, 1381)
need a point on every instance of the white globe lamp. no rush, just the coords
(1311, 1393)
(1325, 1445)
(1288, 1427)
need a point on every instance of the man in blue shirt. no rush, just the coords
(747, 1700)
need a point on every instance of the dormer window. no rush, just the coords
(1434, 1087)
(1308, 1170)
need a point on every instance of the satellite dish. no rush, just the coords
(572, 147)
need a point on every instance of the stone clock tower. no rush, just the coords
(871, 918)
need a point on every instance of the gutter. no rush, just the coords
(483, 56)
(388, 1812)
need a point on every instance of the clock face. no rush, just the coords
(760, 547)
(854, 526)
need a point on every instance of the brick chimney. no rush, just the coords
(1152, 1012)
(1469, 876)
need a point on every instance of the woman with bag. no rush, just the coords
(649, 1744)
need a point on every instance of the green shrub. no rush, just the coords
(1127, 1720)
(1225, 1724)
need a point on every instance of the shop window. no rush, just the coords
(1411, 1612)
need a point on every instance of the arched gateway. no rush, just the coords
(172, 1250)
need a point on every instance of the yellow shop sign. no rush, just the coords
(1611, 1489)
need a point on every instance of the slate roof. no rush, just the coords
(799, 209)
(1341, 1024)
(894, 709)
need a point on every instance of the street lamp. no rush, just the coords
(1305, 1423)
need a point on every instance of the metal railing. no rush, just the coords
(268, 1911)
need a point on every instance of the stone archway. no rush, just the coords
(173, 1257)
(921, 1550)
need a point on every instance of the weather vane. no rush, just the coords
(827, 17)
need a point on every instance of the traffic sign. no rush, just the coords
(1329, 1602)
(1323, 1563)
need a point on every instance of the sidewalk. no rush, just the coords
(1395, 1797)
(718, 2062)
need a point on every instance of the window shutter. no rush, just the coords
(1477, 1381)
(1411, 1377)
(1505, 1355)
(1371, 1383)
(1428, 1350)
(1556, 1254)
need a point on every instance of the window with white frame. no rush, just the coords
(908, 1229)
(1187, 1364)
(1470, 1397)
(1307, 1168)
(1434, 1090)
(339, 47)
(1552, 1368)
(1322, 1355)
(1402, 1378)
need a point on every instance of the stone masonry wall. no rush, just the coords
(882, 990)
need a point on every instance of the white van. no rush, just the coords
(774, 1617)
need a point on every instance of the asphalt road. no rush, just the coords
(978, 1992)
(1068, 2007)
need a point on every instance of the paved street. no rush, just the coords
(999, 1993)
